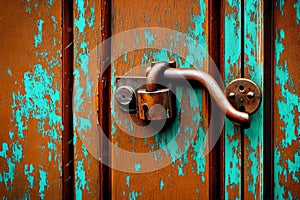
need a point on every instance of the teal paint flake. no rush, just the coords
(80, 179)
(280, 4)
(43, 185)
(297, 8)
(161, 184)
(8, 177)
(80, 22)
(91, 20)
(54, 23)
(50, 3)
(137, 167)
(28, 169)
(11, 134)
(17, 151)
(4, 150)
(127, 181)
(9, 71)
(149, 37)
(38, 38)
(133, 195)
(294, 167)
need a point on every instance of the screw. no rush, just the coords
(250, 95)
(125, 95)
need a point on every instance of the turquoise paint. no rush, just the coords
(17, 151)
(137, 167)
(290, 101)
(294, 167)
(9, 71)
(8, 177)
(91, 20)
(11, 134)
(127, 181)
(80, 179)
(50, 3)
(288, 104)
(232, 48)
(149, 37)
(133, 195)
(4, 150)
(297, 8)
(254, 65)
(33, 104)
(27, 172)
(54, 23)
(278, 170)
(39, 36)
(43, 185)
(280, 4)
(80, 22)
(161, 184)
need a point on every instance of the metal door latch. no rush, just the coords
(142, 95)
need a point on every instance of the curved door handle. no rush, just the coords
(206, 80)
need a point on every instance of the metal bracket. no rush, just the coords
(244, 95)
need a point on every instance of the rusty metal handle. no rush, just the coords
(208, 82)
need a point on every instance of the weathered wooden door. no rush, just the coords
(64, 136)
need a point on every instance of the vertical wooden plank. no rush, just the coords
(187, 176)
(87, 35)
(30, 100)
(232, 70)
(286, 100)
(254, 70)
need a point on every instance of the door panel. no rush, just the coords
(189, 174)
(30, 100)
(286, 100)
(232, 70)
(254, 70)
(87, 35)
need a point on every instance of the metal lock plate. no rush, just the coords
(155, 105)
(244, 95)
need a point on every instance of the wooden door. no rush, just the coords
(59, 63)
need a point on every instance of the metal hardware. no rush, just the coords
(155, 105)
(244, 95)
(153, 102)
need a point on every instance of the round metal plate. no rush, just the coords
(244, 95)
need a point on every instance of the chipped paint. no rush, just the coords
(28, 169)
(232, 62)
(287, 104)
(39, 36)
(43, 185)
(297, 9)
(84, 21)
(161, 184)
(254, 69)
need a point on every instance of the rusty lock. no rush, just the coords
(139, 94)
(153, 102)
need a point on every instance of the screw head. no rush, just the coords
(125, 95)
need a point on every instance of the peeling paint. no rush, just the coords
(297, 8)
(43, 185)
(39, 36)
